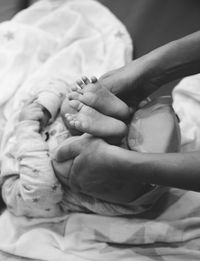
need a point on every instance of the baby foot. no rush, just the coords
(93, 94)
(88, 120)
(66, 108)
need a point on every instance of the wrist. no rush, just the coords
(180, 170)
(27, 123)
(142, 167)
(174, 60)
(146, 69)
(137, 79)
(47, 114)
(130, 163)
(150, 73)
(50, 103)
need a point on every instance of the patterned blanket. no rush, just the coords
(50, 37)
(170, 231)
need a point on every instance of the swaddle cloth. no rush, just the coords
(68, 39)
(186, 96)
(47, 47)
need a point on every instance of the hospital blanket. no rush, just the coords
(62, 39)
(69, 39)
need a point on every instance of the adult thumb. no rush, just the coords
(68, 150)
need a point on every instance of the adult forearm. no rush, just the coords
(181, 170)
(175, 60)
(172, 61)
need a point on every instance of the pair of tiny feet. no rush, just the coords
(95, 110)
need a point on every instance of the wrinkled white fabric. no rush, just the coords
(186, 98)
(61, 42)
(56, 31)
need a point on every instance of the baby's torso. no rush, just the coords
(54, 134)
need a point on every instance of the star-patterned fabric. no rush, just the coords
(30, 187)
(47, 56)
(49, 52)
(39, 37)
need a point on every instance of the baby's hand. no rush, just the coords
(36, 112)
(32, 111)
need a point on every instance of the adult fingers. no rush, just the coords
(62, 170)
(69, 149)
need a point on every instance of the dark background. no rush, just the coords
(151, 23)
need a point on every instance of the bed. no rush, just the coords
(170, 231)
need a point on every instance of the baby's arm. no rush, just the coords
(36, 112)
(29, 184)
(50, 95)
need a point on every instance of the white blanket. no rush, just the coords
(58, 39)
(72, 38)
(186, 98)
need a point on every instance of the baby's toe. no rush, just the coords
(75, 104)
(81, 125)
(72, 123)
(75, 87)
(85, 80)
(74, 96)
(69, 117)
(93, 79)
(80, 83)
(78, 125)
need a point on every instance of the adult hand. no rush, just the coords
(132, 83)
(143, 76)
(94, 168)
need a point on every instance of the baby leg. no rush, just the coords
(88, 120)
(99, 98)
